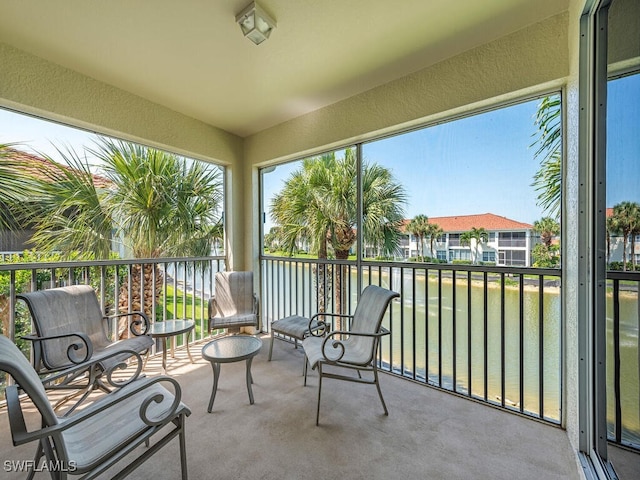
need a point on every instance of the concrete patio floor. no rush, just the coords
(428, 434)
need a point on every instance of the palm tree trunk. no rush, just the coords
(4, 314)
(340, 289)
(139, 292)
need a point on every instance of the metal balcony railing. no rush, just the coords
(490, 333)
(182, 289)
(493, 334)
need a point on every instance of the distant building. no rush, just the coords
(509, 242)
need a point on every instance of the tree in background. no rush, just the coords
(545, 254)
(319, 202)
(434, 232)
(547, 181)
(625, 221)
(419, 226)
(480, 237)
(152, 202)
(547, 228)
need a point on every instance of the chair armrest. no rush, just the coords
(51, 381)
(143, 325)
(320, 332)
(21, 435)
(337, 343)
(85, 342)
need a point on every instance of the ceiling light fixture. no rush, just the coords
(255, 23)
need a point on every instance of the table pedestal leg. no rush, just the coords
(189, 351)
(216, 374)
(164, 355)
(249, 380)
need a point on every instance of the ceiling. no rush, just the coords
(190, 55)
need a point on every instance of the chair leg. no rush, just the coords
(304, 369)
(319, 392)
(375, 375)
(271, 346)
(183, 449)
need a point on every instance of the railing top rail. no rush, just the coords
(100, 263)
(556, 272)
(618, 275)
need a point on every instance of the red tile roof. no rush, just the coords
(37, 166)
(464, 223)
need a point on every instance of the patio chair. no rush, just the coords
(234, 303)
(352, 348)
(97, 437)
(71, 329)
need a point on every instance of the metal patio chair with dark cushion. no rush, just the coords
(71, 329)
(97, 437)
(354, 347)
(234, 303)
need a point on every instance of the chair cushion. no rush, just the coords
(110, 428)
(294, 326)
(138, 343)
(240, 320)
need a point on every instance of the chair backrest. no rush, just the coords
(13, 362)
(234, 293)
(65, 310)
(367, 318)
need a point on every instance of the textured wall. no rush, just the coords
(530, 57)
(33, 85)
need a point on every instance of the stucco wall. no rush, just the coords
(32, 85)
(528, 58)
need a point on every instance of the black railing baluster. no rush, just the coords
(541, 346)
(454, 309)
(521, 340)
(485, 339)
(502, 341)
(616, 361)
(440, 328)
(469, 345)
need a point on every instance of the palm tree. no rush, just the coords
(12, 193)
(480, 236)
(419, 226)
(319, 201)
(626, 222)
(155, 203)
(548, 179)
(68, 210)
(161, 204)
(611, 230)
(465, 239)
(547, 227)
(433, 232)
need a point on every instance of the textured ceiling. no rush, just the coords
(190, 56)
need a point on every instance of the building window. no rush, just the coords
(459, 255)
(489, 257)
(441, 255)
(512, 239)
(514, 258)
(454, 239)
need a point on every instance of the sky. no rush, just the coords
(479, 164)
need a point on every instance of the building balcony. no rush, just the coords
(428, 433)
(473, 377)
